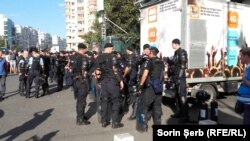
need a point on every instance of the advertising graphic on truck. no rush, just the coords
(212, 32)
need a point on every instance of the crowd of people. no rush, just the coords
(116, 81)
(33, 65)
(119, 82)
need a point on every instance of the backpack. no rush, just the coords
(157, 83)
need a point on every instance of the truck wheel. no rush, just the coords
(211, 91)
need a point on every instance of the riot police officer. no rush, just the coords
(151, 86)
(130, 74)
(143, 59)
(45, 84)
(35, 66)
(79, 66)
(60, 64)
(110, 90)
(179, 67)
(142, 63)
(52, 69)
(23, 70)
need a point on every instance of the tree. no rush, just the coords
(95, 34)
(2, 41)
(124, 14)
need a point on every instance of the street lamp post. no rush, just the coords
(5, 42)
(6, 38)
(27, 43)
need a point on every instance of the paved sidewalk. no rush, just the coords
(52, 117)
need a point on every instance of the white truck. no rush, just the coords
(54, 49)
(211, 31)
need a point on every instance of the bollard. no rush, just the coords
(207, 122)
(123, 137)
(203, 114)
(214, 111)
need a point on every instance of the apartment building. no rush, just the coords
(80, 15)
(59, 42)
(44, 40)
(7, 30)
(26, 36)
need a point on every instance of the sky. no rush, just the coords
(48, 15)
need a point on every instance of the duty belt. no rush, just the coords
(78, 77)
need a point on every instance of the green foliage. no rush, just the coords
(95, 34)
(123, 13)
(2, 41)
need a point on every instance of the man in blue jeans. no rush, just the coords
(3, 74)
(13, 61)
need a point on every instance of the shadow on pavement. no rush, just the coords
(47, 137)
(92, 110)
(223, 117)
(10, 95)
(229, 119)
(16, 91)
(170, 102)
(1, 113)
(39, 117)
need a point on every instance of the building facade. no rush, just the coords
(7, 30)
(44, 40)
(80, 15)
(26, 37)
(59, 42)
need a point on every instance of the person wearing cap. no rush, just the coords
(52, 68)
(60, 65)
(23, 70)
(143, 58)
(179, 67)
(151, 87)
(45, 73)
(79, 65)
(110, 91)
(143, 61)
(3, 74)
(35, 66)
(130, 74)
(91, 63)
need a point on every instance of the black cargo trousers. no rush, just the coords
(151, 105)
(33, 75)
(110, 92)
(22, 83)
(80, 87)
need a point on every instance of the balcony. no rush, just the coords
(92, 8)
(80, 33)
(80, 18)
(92, 2)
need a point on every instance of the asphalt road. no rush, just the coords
(52, 117)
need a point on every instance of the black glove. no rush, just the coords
(139, 88)
(177, 81)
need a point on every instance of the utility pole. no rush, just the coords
(5, 42)
(103, 26)
(101, 19)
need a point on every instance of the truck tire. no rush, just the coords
(211, 91)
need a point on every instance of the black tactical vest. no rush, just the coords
(36, 64)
